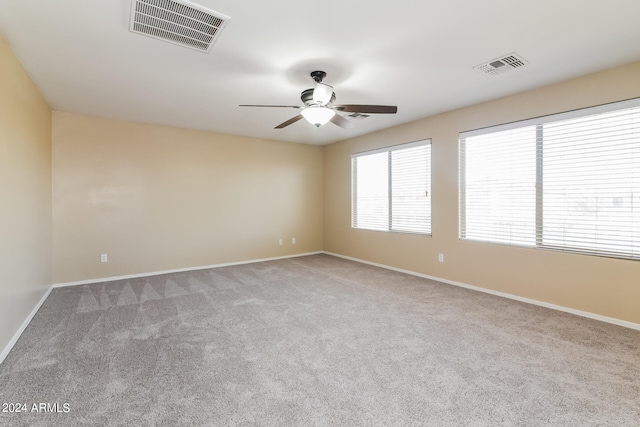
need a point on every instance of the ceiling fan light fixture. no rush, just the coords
(317, 115)
(322, 93)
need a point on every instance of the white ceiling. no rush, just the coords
(417, 55)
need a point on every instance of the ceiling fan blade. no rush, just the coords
(279, 106)
(288, 122)
(367, 109)
(337, 119)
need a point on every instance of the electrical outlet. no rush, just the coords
(293, 240)
(440, 257)
(103, 258)
(280, 242)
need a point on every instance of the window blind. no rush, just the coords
(568, 182)
(499, 193)
(391, 189)
(591, 184)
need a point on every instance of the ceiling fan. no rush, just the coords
(318, 106)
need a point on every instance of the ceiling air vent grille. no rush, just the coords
(178, 22)
(501, 65)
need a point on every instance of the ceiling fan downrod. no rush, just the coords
(317, 76)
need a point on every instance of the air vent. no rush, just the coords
(502, 65)
(178, 22)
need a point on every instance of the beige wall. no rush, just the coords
(25, 195)
(603, 286)
(158, 198)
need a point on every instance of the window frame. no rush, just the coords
(389, 217)
(539, 123)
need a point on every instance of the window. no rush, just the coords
(567, 182)
(391, 189)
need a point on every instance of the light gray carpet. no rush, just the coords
(315, 341)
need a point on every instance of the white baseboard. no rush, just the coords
(178, 270)
(587, 314)
(24, 325)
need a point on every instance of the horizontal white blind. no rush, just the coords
(391, 189)
(569, 183)
(411, 190)
(499, 195)
(591, 184)
(371, 191)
